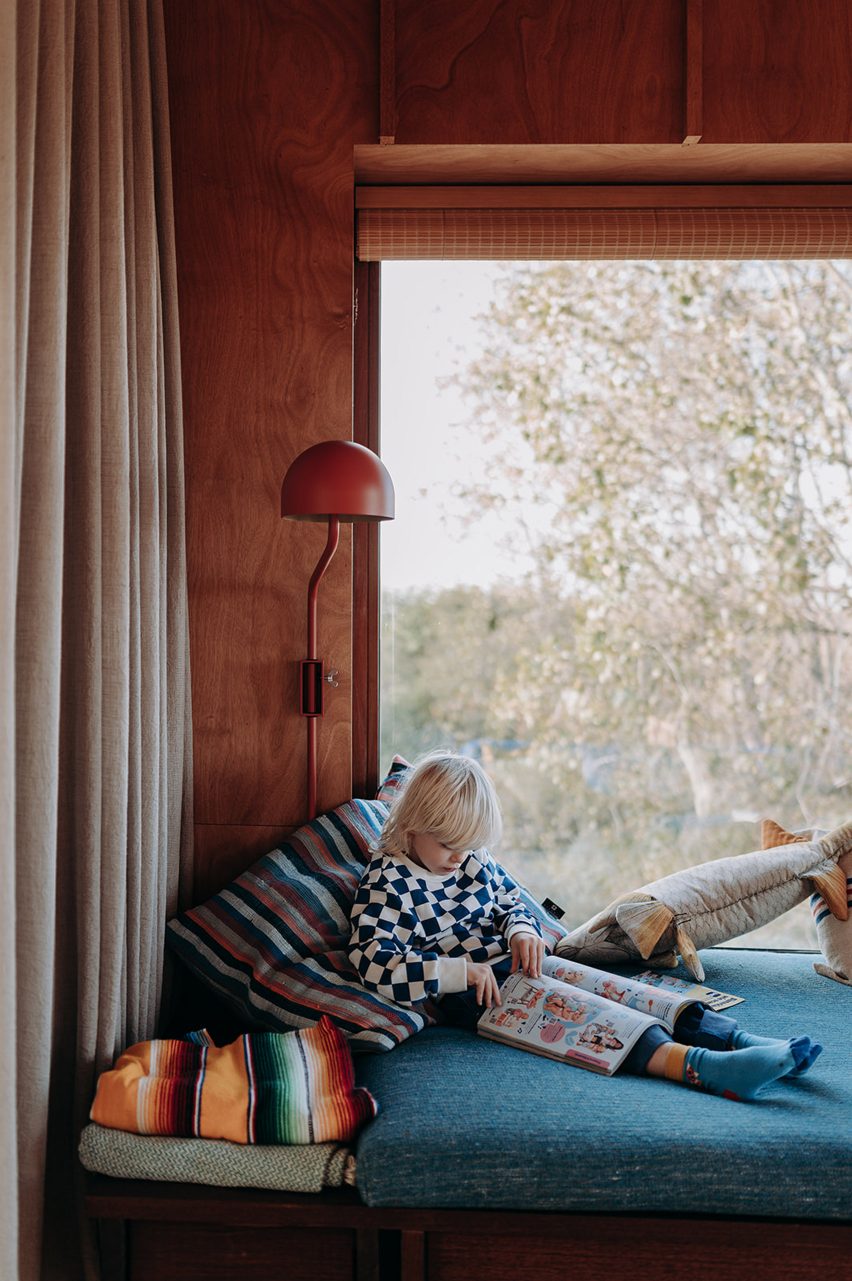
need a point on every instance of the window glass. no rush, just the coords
(620, 569)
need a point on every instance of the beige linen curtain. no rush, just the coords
(94, 684)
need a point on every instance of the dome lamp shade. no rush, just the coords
(337, 478)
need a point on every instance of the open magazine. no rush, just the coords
(709, 996)
(581, 1014)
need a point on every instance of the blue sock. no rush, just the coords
(805, 1051)
(738, 1074)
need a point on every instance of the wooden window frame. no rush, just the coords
(366, 591)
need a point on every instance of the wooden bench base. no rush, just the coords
(179, 1232)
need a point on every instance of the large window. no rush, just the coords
(621, 569)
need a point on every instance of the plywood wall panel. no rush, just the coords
(539, 71)
(267, 101)
(223, 851)
(777, 71)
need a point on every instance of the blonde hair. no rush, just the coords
(447, 796)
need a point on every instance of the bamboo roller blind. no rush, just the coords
(604, 233)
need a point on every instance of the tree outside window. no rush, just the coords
(670, 444)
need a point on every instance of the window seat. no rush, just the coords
(489, 1158)
(466, 1122)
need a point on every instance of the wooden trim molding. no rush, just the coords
(387, 72)
(439, 1244)
(609, 196)
(365, 548)
(693, 73)
(626, 162)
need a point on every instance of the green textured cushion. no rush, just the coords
(300, 1167)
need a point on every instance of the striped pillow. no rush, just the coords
(264, 1088)
(274, 942)
(390, 785)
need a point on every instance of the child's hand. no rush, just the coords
(527, 954)
(481, 976)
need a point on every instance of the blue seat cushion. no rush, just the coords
(465, 1122)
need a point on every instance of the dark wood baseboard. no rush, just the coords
(179, 1232)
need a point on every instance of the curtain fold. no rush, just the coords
(8, 561)
(95, 758)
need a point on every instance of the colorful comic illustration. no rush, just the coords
(510, 1016)
(564, 973)
(565, 1006)
(599, 1038)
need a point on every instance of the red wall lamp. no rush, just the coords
(333, 481)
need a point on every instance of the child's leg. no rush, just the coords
(643, 1051)
(698, 1025)
(460, 1009)
(806, 1055)
(714, 1031)
(735, 1074)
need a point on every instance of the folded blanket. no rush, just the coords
(264, 1087)
(297, 1167)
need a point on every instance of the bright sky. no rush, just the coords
(428, 332)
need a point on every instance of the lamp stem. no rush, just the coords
(312, 768)
(313, 587)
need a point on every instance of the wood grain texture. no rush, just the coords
(224, 850)
(387, 71)
(623, 196)
(267, 101)
(439, 1245)
(270, 101)
(412, 1251)
(613, 163)
(693, 125)
(645, 1250)
(365, 550)
(178, 1251)
(148, 1201)
(133, 1199)
(539, 71)
(777, 71)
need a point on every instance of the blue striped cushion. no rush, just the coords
(273, 942)
(390, 785)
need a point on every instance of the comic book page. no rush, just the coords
(547, 1016)
(663, 1003)
(709, 996)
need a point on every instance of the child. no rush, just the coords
(435, 916)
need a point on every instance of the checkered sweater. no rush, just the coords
(413, 933)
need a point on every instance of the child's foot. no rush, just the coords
(738, 1074)
(805, 1051)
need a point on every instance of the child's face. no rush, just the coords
(432, 856)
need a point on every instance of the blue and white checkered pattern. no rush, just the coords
(412, 930)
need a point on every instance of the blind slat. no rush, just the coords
(735, 233)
